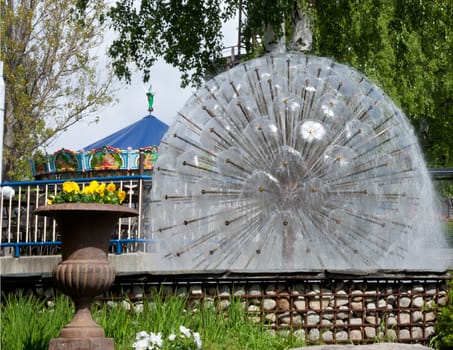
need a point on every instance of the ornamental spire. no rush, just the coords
(150, 96)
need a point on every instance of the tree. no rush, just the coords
(51, 74)
(404, 46)
(187, 34)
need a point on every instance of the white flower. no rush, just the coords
(142, 341)
(197, 339)
(185, 331)
(156, 340)
(141, 344)
(153, 341)
(141, 335)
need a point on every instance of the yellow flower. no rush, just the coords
(70, 187)
(101, 190)
(111, 187)
(88, 190)
(94, 192)
(121, 196)
(94, 184)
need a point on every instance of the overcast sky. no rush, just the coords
(132, 103)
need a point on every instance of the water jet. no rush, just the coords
(293, 162)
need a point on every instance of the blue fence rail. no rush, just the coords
(117, 244)
(23, 233)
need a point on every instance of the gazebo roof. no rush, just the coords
(145, 132)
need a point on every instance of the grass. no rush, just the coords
(29, 323)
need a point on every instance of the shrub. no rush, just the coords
(443, 338)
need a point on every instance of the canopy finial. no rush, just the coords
(150, 95)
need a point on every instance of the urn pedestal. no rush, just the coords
(84, 271)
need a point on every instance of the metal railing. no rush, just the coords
(23, 233)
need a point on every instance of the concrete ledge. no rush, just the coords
(28, 265)
(43, 265)
(150, 263)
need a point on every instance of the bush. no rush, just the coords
(443, 338)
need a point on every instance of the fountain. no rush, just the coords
(293, 162)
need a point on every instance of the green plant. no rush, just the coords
(29, 323)
(156, 314)
(228, 329)
(443, 338)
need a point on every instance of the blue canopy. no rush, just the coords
(146, 132)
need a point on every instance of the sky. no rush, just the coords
(132, 103)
